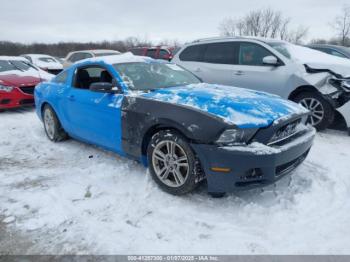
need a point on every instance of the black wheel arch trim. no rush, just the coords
(142, 116)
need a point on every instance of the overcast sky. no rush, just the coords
(184, 20)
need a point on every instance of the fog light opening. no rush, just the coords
(254, 173)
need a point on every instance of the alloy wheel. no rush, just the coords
(316, 109)
(170, 163)
(49, 123)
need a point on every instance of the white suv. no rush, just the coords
(316, 80)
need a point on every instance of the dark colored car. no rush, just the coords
(336, 50)
(184, 130)
(165, 53)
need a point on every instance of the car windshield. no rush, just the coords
(281, 48)
(148, 76)
(8, 65)
(21, 65)
(305, 55)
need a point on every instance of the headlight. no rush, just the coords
(6, 88)
(236, 136)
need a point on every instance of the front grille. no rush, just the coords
(26, 102)
(27, 89)
(5, 101)
(285, 132)
(288, 167)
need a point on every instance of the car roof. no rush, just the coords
(331, 46)
(18, 58)
(117, 59)
(152, 47)
(233, 38)
(97, 51)
(37, 55)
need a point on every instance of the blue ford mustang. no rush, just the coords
(184, 130)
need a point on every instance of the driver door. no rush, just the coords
(95, 117)
(252, 73)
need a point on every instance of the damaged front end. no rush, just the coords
(335, 88)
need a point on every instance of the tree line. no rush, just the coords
(62, 49)
(273, 24)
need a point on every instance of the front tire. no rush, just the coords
(172, 163)
(322, 113)
(52, 125)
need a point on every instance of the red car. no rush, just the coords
(159, 52)
(18, 79)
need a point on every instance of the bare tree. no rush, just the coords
(169, 42)
(297, 35)
(342, 24)
(262, 23)
(228, 27)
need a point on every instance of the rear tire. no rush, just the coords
(52, 125)
(322, 112)
(172, 163)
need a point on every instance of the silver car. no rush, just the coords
(76, 56)
(314, 79)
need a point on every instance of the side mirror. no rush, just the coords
(104, 87)
(270, 60)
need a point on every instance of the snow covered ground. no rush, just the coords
(71, 197)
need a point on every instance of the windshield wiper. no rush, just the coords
(16, 66)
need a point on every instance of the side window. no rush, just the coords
(87, 55)
(252, 54)
(151, 53)
(73, 58)
(79, 56)
(137, 51)
(85, 76)
(221, 53)
(164, 54)
(193, 53)
(61, 78)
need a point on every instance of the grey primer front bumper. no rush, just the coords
(253, 165)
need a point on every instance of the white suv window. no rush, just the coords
(221, 53)
(252, 54)
(193, 53)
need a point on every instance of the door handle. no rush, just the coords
(71, 98)
(239, 73)
(198, 70)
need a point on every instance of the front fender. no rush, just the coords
(139, 115)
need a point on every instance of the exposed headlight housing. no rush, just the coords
(236, 136)
(340, 83)
(345, 84)
(6, 88)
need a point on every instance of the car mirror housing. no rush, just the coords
(270, 60)
(104, 87)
